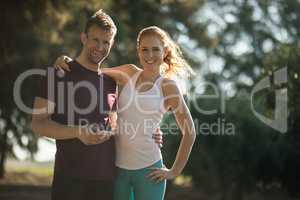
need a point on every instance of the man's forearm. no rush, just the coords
(51, 129)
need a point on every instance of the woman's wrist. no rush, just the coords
(175, 172)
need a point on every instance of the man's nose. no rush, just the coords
(100, 46)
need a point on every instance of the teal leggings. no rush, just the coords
(143, 188)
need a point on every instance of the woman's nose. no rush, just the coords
(150, 54)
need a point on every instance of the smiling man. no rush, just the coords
(84, 161)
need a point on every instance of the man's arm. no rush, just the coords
(42, 124)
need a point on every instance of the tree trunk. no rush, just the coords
(238, 190)
(3, 149)
(224, 186)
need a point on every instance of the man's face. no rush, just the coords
(97, 44)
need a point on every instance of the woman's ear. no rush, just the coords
(166, 52)
(83, 38)
(137, 51)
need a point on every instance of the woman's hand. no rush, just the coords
(160, 174)
(61, 63)
(158, 137)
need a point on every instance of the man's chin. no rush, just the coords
(96, 60)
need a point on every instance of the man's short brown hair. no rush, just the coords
(103, 21)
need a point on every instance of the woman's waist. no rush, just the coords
(136, 143)
(137, 153)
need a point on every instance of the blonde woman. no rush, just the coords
(146, 95)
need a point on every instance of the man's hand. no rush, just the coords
(89, 137)
(61, 63)
(158, 137)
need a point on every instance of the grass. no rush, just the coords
(40, 174)
(27, 173)
(40, 171)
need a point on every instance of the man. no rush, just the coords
(84, 161)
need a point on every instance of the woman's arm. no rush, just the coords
(174, 101)
(121, 74)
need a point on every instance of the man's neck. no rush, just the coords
(86, 64)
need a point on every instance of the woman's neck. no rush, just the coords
(149, 75)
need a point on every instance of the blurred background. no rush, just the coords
(231, 44)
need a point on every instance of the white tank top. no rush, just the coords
(139, 115)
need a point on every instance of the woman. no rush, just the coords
(146, 95)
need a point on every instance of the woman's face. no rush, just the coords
(151, 52)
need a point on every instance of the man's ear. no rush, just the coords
(83, 38)
(112, 43)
